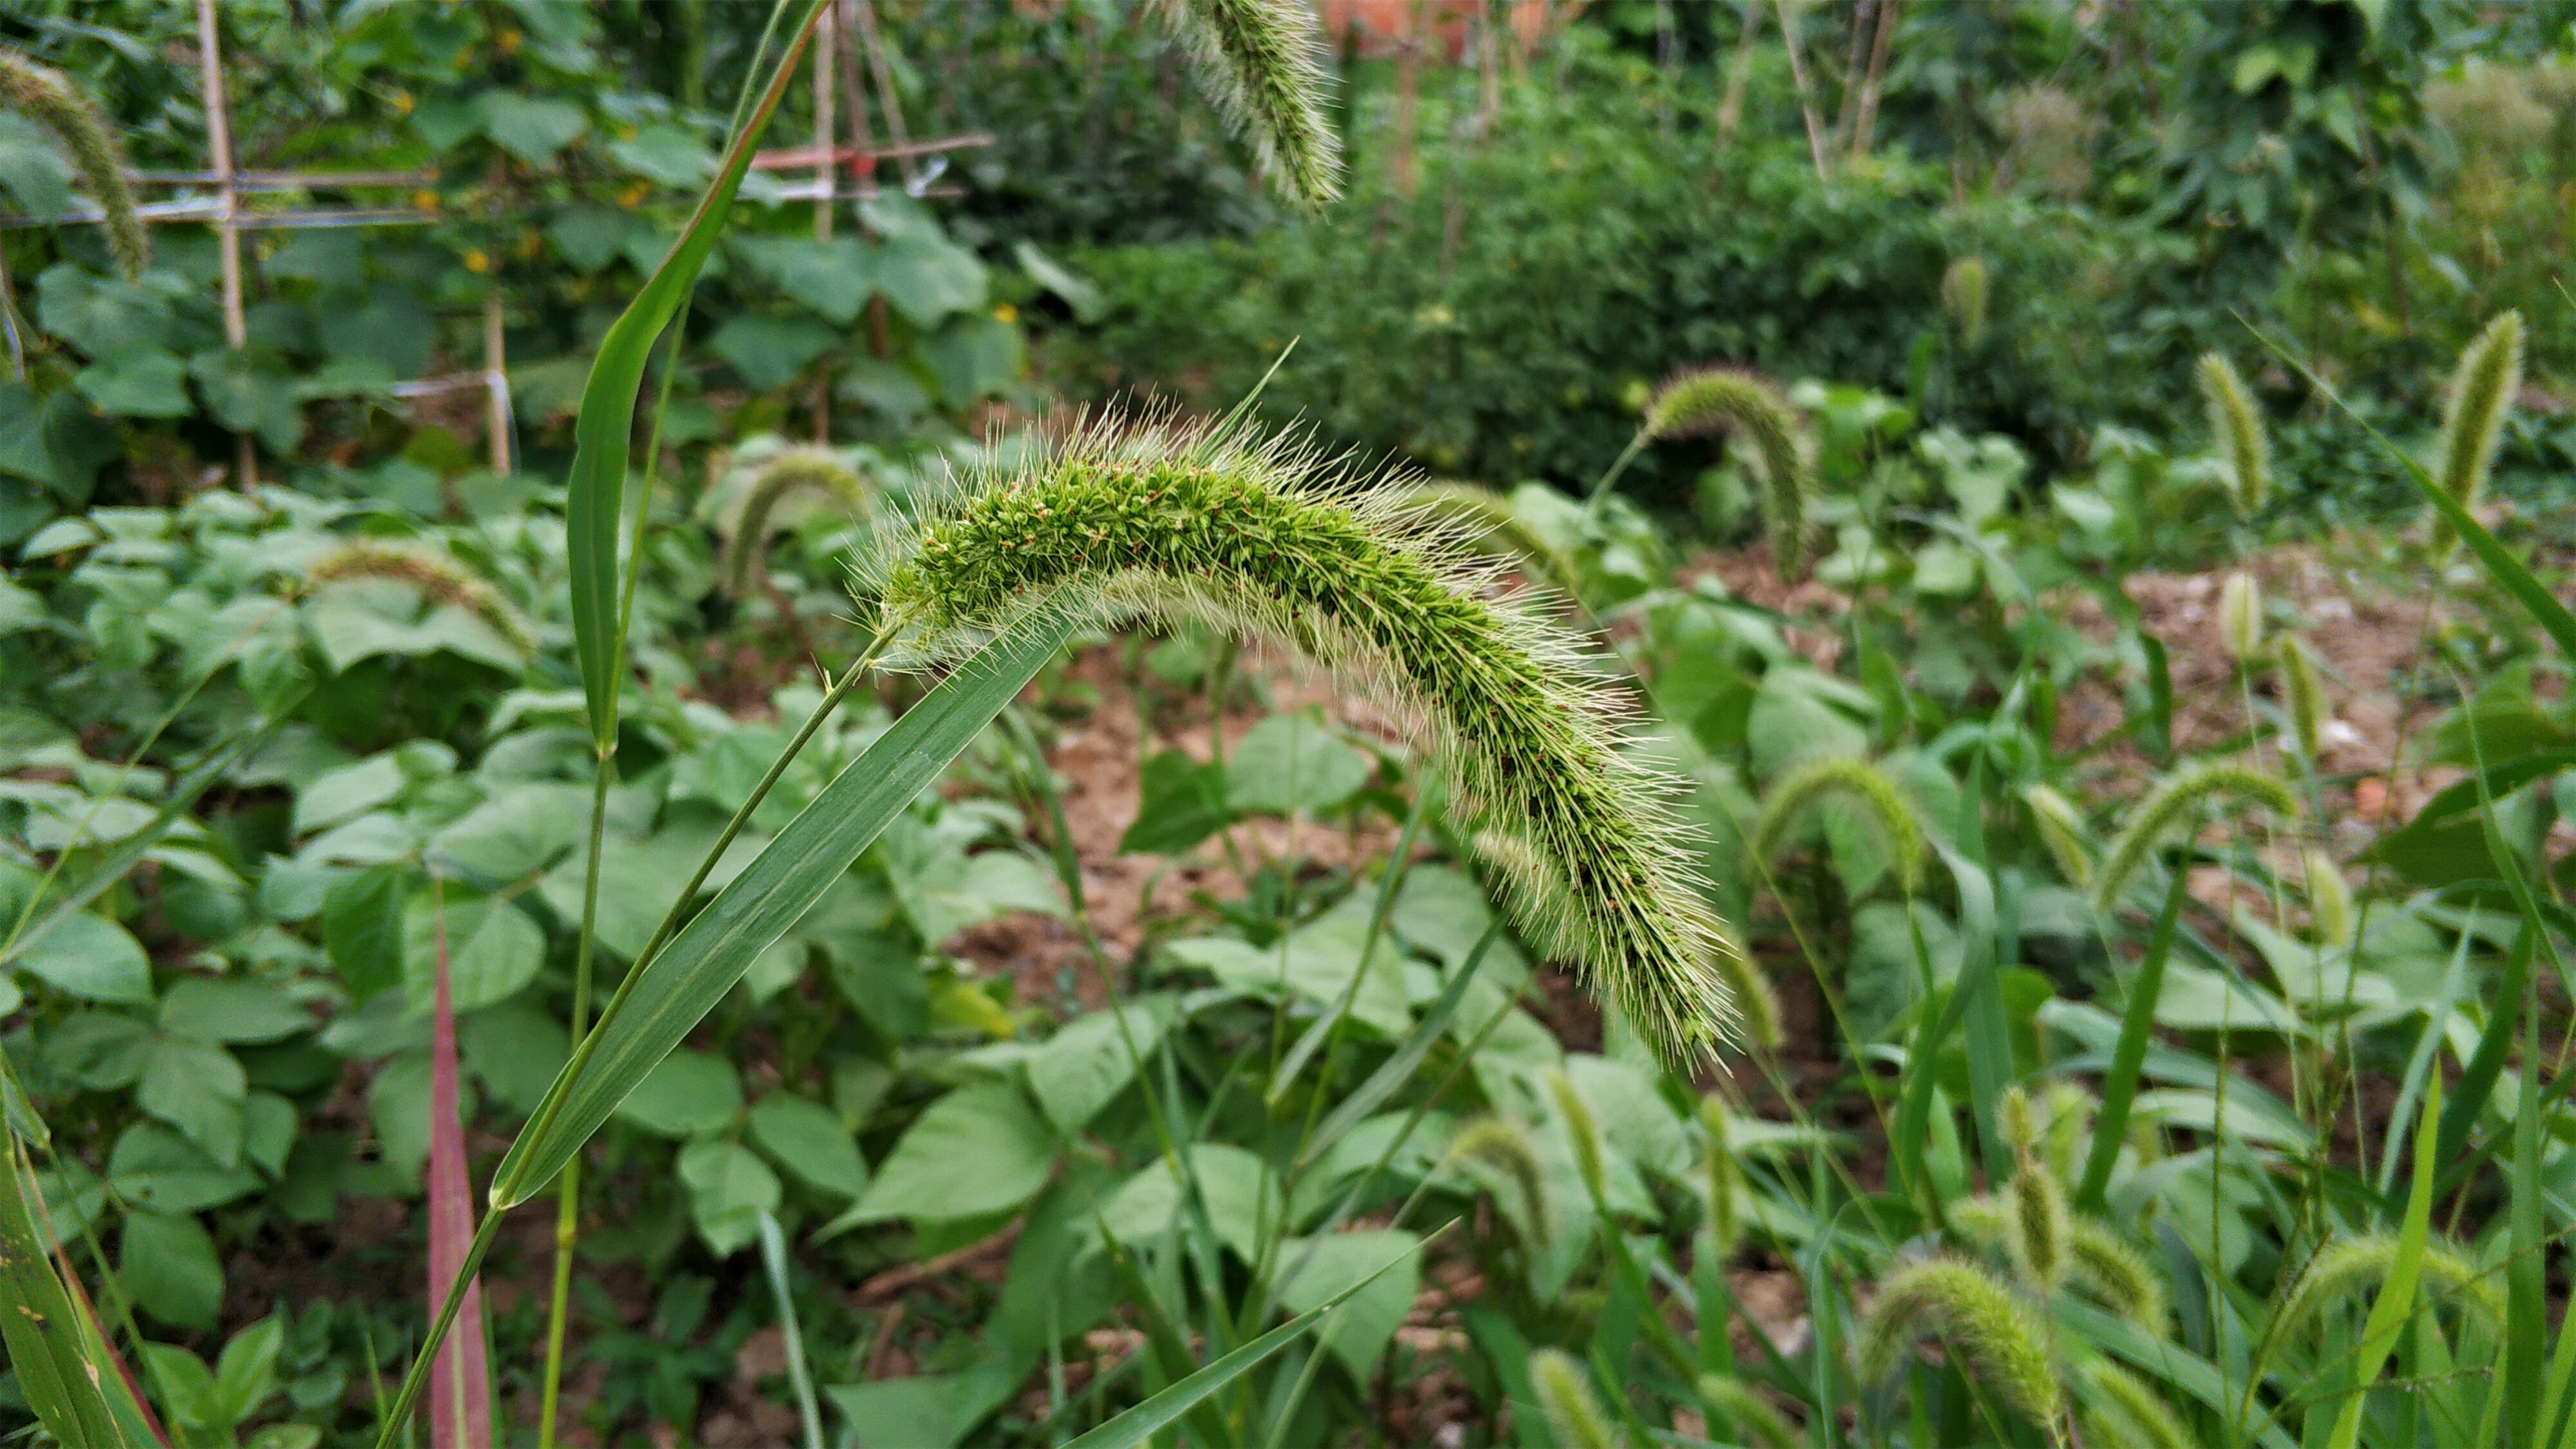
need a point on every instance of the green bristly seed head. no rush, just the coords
(1504, 1146)
(1484, 521)
(2061, 829)
(2240, 616)
(1565, 1396)
(1260, 60)
(1723, 1228)
(1859, 780)
(1991, 1334)
(2115, 1274)
(1964, 285)
(2329, 899)
(1251, 536)
(2020, 1120)
(437, 574)
(1751, 1412)
(2303, 697)
(43, 96)
(2236, 426)
(1582, 1130)
(2177, 799)
(2482, 388)
(781, 476)
(2067, 1111)
(2036, 1230)
(1713, 399)
(2121, 1411)
(2343, 1269)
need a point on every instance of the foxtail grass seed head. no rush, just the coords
(2303, 697)
(1991, 1334)
(2329, 899)
(1504, 1146)
(1724, 1229)
(1964, 285)
(1753, 1414)
(1863, 782)
(1582, 1131)
(1261, 62)
(2101, 1263)
(437, 574)
(2343, 1270)
(2037, 1228)
(781, 476)
(2121, 1412)
(2236, 427)
(1565, 1395)
(2067, 1109)
(1484, 521)
(2020, 1120)
(2177, 800)
(1253, 535)
(2482, 388)
(43, 96)
(2240, 616)
(2061, 830)
(1714, 399)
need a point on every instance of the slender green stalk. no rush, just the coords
(568, 1187)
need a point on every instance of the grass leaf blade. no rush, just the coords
(2129, 1053)
(2395, 1306)
(675, 990)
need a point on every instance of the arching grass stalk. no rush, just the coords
(42, 95)
(781, 476)
(1255, 536)
(1504, 1145)
(2236, 428)
(2120, 1410)
(2341, 1270)
(437, 574)
(2176, 800)
(1731, 399)
(2483, 383)
(2061, 830)
(1858, 780)
(1261, 62)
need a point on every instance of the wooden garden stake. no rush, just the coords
(219, 139)
(496, 380)
(1878, 48)
(1730, 110)
(1806, 95)
(826, 182)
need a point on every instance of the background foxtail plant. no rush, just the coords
(42, 95)
(1262, 62)
(2236, 427)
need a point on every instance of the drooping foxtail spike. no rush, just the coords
(1261, 61)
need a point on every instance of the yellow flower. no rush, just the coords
(477, 260)
(402, 102)
(1005, 312)
(530, 243)
(633, 196)
(507, 42)
(425, 199)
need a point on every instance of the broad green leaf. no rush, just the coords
(152, 1166)
(1181, 802)
(665, 997)
(981, 1149)
(810, 1140)
(1292, 762)
(730, 1191)
(231, 1011)
(1243, 1199)
(90, 957)
(493, 949)
(533, 128)
(686, 1094)
(362, 927)
(516, 1049)
(168, 1263)
(1372, 1275)
(1088, 1061)
(769, 352)
(138, 382)
(199, 1089)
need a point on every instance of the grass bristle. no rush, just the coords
(2177, 799)
(437, 574)
(1858, 780)
(2489, 373)
(1731, 399)
(1565, 1396)
(1504, 1146)
(2236, 427)
(1991, 1334)
(1254, 536)
(2342, 1270)
(779, 477)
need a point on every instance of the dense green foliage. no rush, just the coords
(1050, 1023)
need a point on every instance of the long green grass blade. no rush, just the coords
(595, 497)
(2503, 569)
(2395, 1305)
(671, 993)
(773, 1258)
(2129, 1053)
(1399, 1068)
(1165, 1409)
(55, 1350)
(2526, 1300)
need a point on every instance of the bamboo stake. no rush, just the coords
(1846, 124)
(826, 182)
(1878, 48)
(219, 139)
(1408, 83)
(1739, 72)
(887, 99)
(496, 381)
(1798, 76)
